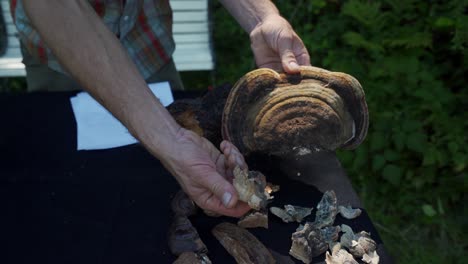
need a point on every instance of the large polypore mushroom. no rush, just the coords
(277, 114)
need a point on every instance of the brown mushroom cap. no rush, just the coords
(275, 113)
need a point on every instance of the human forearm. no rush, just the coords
(249, 13)
(95, 58)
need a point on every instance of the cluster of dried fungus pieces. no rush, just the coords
(315, 238)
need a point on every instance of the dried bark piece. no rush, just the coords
(371, 258)
(339, 256)
(326, 210)
(183, 237)
(358, 244)
(181, 204)
(291, 213)
(192, 258)
(254, 219)
(273, 113)
(250, 186)
(241, 244)
(348, 212)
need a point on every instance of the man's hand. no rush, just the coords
(275, 45)
(205, 174)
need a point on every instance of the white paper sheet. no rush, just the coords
(97, 128)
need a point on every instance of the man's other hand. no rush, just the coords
(275, 45)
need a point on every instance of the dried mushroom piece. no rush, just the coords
(272, 188)
(300, 249)
(287, 218)
(291, 213)
(348, 212)
(250, 185)
(274, 113)
(363, 245)
(326, 210)
(192, 258)
(371, 258)
(330, 234)
(339, 256)
(241, 244)
(181, 204)
(183, 237)
(254, 219)
(358, 244)
(307, 243)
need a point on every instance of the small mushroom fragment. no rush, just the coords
(291, 213)
(348, 212)
(339, 256)
(254, 219)
(282, 214)
(330, 234)
(371, 258)
(181, 204)
(358, 244)
(250, 186)
(274, 113)
(300, 248)
(272, 188)
(326, 210)
(364, 244)
(307, 243)
(192, 258)
(241, 244)
(183, 237)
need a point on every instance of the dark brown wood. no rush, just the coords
(242, 245)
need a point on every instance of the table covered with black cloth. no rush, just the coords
(60, 205)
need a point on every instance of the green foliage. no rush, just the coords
(411, 58)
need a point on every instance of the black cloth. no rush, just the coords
(60, 205)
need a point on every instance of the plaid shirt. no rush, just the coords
(144, 28)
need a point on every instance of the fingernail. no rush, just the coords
(293, 65)
(226, 198)
(239, 162)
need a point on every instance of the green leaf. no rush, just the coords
(429, 210)
(410, 125)
(430, 157)
(416, 142)
(378, 161)
(444, 22)
(392, 174)
(391, 155)
(399, 140)
(377, 141)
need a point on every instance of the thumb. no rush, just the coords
(288, 59)
(221, 188)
